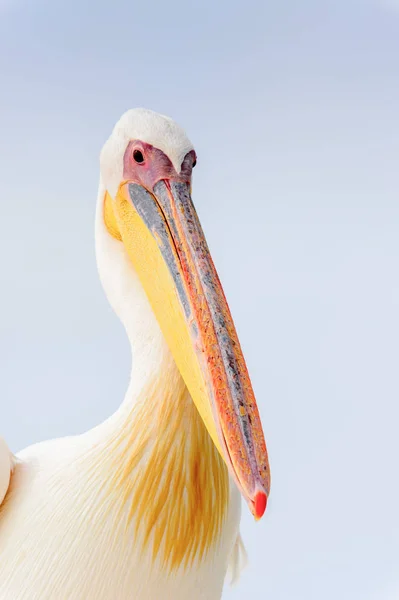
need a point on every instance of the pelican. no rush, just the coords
(145, 506)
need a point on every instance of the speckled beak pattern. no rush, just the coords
(169, 215)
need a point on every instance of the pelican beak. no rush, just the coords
(164, 239)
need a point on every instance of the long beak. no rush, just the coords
(186, 295)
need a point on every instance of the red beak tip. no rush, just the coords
(260, 503)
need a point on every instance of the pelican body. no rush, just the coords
(145, 506)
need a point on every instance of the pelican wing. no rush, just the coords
(238, 560)
(6, 467)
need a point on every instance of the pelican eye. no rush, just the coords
(194, 163)
(138, 156)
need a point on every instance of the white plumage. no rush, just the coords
(63, 535)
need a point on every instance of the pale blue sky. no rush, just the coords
(294, 111)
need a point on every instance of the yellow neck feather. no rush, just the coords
(168, 480)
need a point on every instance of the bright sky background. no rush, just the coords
(294, 111)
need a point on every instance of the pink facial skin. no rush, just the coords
(155, 165)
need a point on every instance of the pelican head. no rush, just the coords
(146, 170)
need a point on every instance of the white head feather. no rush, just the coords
(150, 127)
